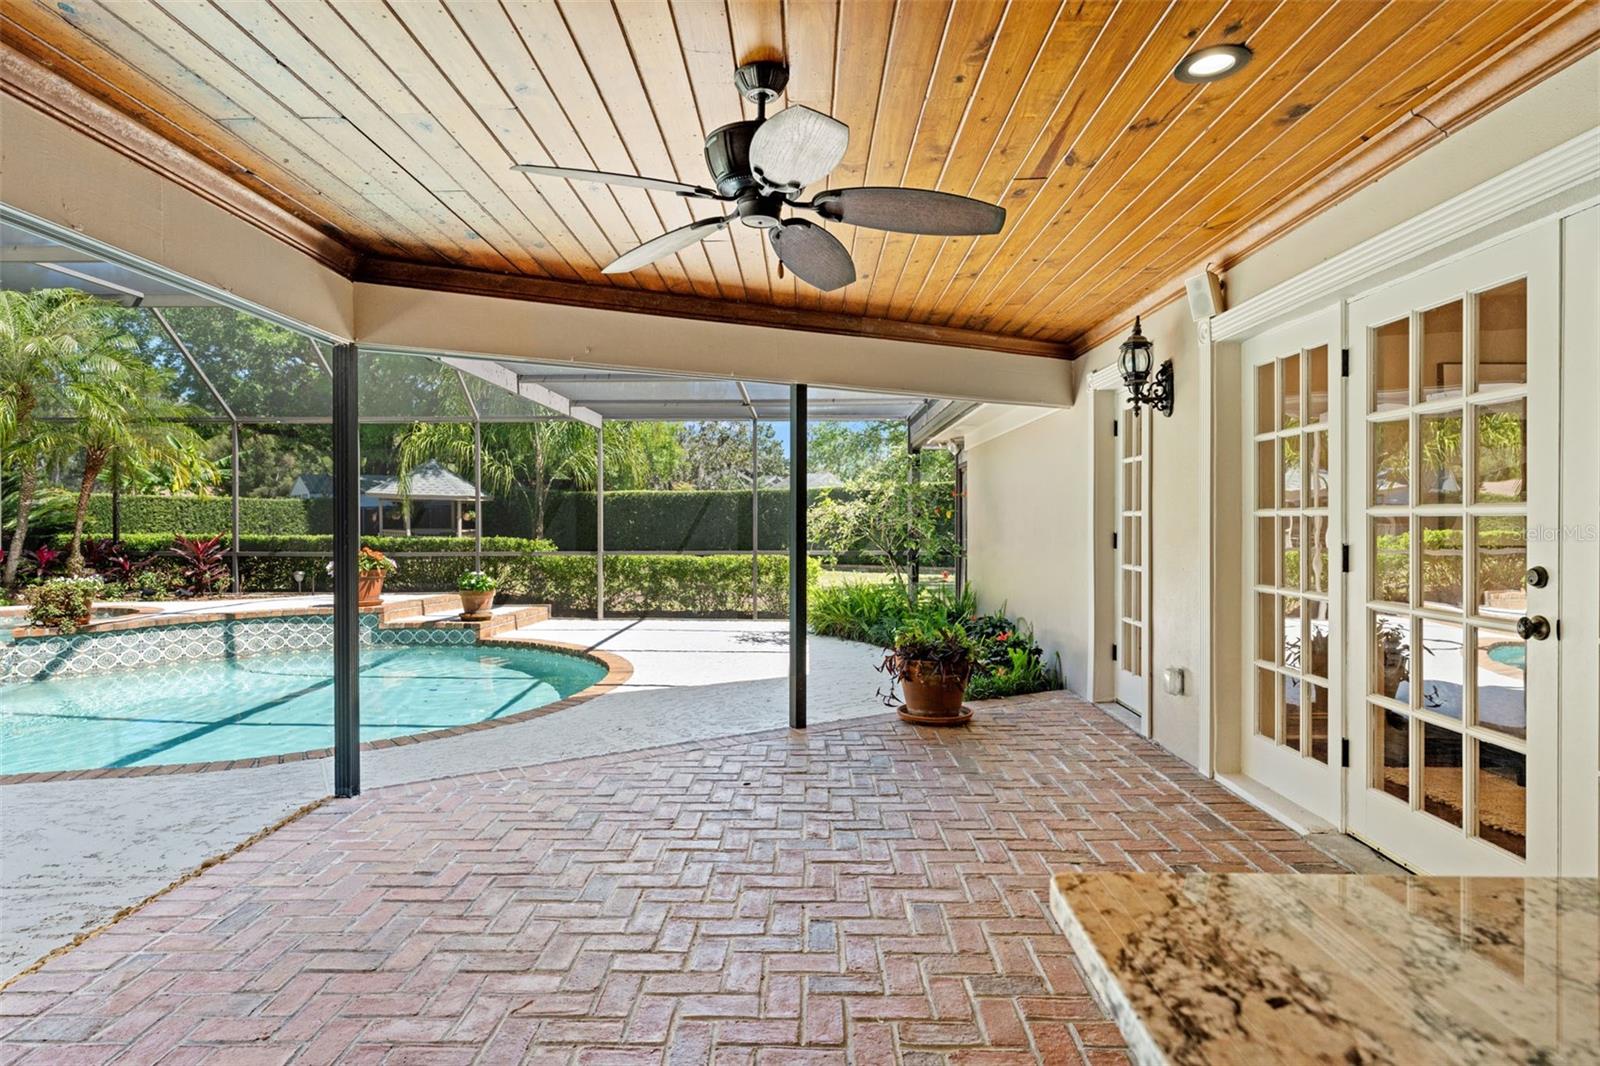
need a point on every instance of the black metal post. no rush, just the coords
(477, 494)
(755, 519)
(116, 496)
(346, 545)
(797, 557)
(600, 521)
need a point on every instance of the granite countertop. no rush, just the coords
(1341, 968)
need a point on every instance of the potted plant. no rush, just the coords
(372, 566)
(477, 595)
(932, 661)
(63, 603)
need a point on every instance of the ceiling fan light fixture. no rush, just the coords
(1212, 64)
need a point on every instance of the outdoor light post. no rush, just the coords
(1134, 361)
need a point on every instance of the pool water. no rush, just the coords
(268, 704)
(1512, 653)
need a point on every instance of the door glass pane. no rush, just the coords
(1503, 798)
(1291, 552)
(1441, 561)
(1266, 703)
(1266, 398)
(1266, 473)
(1290, 367)
(1443, 668)
(1502, 566)
(1442, 470)
(1318, 630)
(1502, 452)
(1503, 336)
(1318, 475)
(1319, 723)
(1317, 384)
(1291, 472)
(1291, 712)
(1501, 682)
(1391, 366)
(1441, 772)
(1393, 743)
(1316, 553)
(1441, 352)
(1267, 629)
(1391, 463)
(1266, 551)
(1391, 656)
(1391, 559)
(1291, 631)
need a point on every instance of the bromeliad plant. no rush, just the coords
(63, 603)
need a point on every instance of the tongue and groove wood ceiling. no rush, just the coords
(392, 126)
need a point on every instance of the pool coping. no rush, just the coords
(618, 671)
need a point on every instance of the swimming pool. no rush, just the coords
(270, 704)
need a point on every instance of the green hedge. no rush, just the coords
(635, 584)
(210, 514)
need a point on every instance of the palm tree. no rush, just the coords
(54, 346)
(523, 458)
(142, 428)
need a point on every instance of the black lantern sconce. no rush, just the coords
(1138, 353)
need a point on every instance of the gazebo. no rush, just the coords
(437, 497)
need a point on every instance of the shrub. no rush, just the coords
(204, 565)
(209, 514)
(476, 581)
(60, 603)
(867, 611)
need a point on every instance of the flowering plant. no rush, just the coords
(476, 581)
(373, 561)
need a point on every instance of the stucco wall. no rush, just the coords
(1032, 528)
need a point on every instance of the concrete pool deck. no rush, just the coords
(73, 853)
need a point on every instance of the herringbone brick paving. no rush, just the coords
(867, 892)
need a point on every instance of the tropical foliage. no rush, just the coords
(62, 603)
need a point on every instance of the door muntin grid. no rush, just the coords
(1132, 572)
(1446, 517)
(1293, 644)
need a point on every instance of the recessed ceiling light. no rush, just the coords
(1209, 64)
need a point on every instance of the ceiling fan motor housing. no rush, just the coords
(728, 157)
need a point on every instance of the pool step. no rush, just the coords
(444, 612)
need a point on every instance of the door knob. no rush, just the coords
(1535, 628)
(1538, 577)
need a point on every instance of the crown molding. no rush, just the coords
(1525, 186)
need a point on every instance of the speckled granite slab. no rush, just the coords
(1351, 969)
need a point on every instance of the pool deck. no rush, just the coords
(74, 852)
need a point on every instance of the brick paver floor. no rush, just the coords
(867, 892)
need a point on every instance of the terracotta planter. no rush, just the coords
(932, 698)
(475, 606)
(369, 588)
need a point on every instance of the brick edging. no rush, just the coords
(618, 671)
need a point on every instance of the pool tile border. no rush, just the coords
(618, 671)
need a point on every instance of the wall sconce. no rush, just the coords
(1138, 353)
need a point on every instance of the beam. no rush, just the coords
(934, 418)
(504, 377)
(797, 557)
(346, 545)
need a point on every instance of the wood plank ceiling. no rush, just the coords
(392, 127)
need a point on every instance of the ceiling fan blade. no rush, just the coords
(910, 211)
(815, 255)
(796, 147)
(615, 179)
(664, 245)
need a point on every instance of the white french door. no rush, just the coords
(1294, 610)
(1454, 481)
(1132, 646)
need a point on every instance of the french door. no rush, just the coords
(1132, 647)
(1294, 614)
(1453, 487)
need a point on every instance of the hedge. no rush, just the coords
(635, 584)
(698, 520)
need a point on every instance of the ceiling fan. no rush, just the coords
(762, 165)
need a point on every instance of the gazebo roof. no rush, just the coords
(430, 481)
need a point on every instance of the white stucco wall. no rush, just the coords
(1032, 529)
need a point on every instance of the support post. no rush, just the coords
(233, 540)
(797, 557)
(116, 495)
(477, 494)
(600, 521)
(755, 519)
(961, 518)
(346, 545)
(916, 487)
